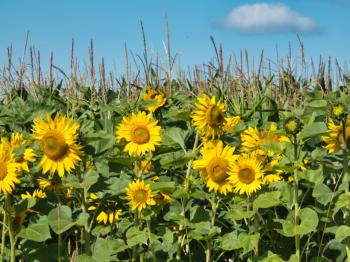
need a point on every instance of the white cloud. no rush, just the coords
(264, 17)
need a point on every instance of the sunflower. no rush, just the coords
(57, 138)
(252, 140)
(9, 171)
(140, 131)
(139, 195)
(209, 116)
(157, 97)
(109, 217)
(215, 166)
(48, 185)
(16, 142)
(247, 174)
(334, 138)
(143, 167)
(231, 123)
(36, 194)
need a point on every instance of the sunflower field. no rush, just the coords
(174, 174)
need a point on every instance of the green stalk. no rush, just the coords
(3, 236)
(187, 186)
(295, 199)
(214, 206)
(134, 249)
(346, 180)
(345, 158)
(154, 258)
(10, 228)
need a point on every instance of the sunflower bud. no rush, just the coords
(338, 110)
(293, 125)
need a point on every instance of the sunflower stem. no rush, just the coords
(10, 228)
(295, 200)
(154, 258)
(346, 179)
(134, 249)
(3, 236)
(183, 212)
(345, 158)
(214, 206)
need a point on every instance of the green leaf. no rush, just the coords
(203, 230)
(315, 129)
(308, 223)
(342, 201)
(60, 219)
(175, 159)
(37, 231)
(268, 199)
(231, 241)
(322, 193)
(163, 186)
(342, 233)
(135, 236)
(105, 248)
(177, 135)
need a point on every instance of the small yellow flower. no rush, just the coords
(109, 217)
(143, 167)
(157, 96)
(231, 123)
(139, 195)
(36, 194)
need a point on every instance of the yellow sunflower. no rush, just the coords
(9, 171)
(334, 138)
(209, 116)
(157, 96)
(143, 167)
(48, 185)
(140, 131)
(16, 141)
(252, 139)
(139, 195)
(215, 166)
(247, 174)
(109, 217)
(36, 194)
(231, 123)
(58, 141)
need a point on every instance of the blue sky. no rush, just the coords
(322, 25)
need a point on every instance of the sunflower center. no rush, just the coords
(140, 196)
(140, 135)
(3, 170)
(347, 137)
(246, 175)
(215, 116)
(216, 169)
(54, 145)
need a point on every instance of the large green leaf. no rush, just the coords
(268, 199)
(36, 231)
(60, 219)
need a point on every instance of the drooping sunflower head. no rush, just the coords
(19, 146)
(38, 193)
(252, 139)
(9, 172)
(109, 216)
(247, 174)
(157, 97)
(58, 141)
(140, 131)
(293, 125)
(338, 110)
(209, 116)
(139, 195)
(143, 167)
(231, 123)
(215, 166)
(334, 138)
